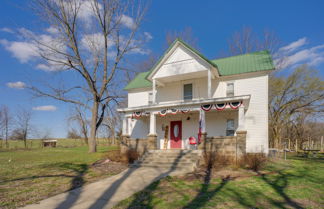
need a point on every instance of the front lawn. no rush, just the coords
(295, 183)
(27, 176)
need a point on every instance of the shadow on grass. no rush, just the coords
(76, 182)
(279, 184)
(146, 199)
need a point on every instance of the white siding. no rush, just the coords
(256, 117)
(138, 98)
(181, 61)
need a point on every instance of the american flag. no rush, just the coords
(201, 124)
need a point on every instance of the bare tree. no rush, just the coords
(79, 116)
(23, 125)
(5, 123)
(246, 41)
(186, 35)
(93, 51)
(293, 97)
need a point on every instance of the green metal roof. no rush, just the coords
(139, 81)
(245, 63)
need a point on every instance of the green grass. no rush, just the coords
(27, 176)
(295, 183)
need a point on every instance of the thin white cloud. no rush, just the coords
(128, 21)
(7, 30)
(45, 108)
(22, 50)
(16, 85)
(298, 53)
(52, 30)
(294, 45)
(148, 36)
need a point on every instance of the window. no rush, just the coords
(230, 127)
(150, 98)
(230, 90)
(187, 91)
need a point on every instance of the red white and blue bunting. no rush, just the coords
(173, 111)
(137, 114)
(163, 112)
(235, 105)
(184, 111)
(220, 106)
(206, 107)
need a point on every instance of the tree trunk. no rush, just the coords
(93, 131)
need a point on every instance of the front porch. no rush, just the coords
(170, 127)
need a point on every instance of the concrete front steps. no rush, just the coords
(173, 161)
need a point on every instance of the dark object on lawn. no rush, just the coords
(49, 143)
(273, 153)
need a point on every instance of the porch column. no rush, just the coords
(152, 137)
(154, 91)
(241, 118)
(125, 125)
(152, 124)
(209, 93)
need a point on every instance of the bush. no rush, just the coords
(253, 161)
(128, 157)
(131, 155)
(217, 160)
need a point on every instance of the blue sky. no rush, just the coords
(299, 25)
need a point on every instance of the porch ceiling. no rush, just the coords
(193, 103)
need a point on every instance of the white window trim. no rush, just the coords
(193, 88)
(230, 82)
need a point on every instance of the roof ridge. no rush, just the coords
(238, 55)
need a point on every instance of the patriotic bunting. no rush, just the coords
(173, 111)
(235, 105)
(206, 107)
(185, 110)
(137, 114)
(220, 106)
(163, 112)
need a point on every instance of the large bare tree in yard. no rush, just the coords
(299, 94)
(93, 49)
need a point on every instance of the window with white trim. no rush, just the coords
(187, 91)
(230, 127)
(150, 97)
(230, 90)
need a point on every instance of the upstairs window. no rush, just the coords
(150, 97)
(230, 90)
(187, 91)
(230, 127)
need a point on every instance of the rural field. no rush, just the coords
(27, 176)
(294, 183)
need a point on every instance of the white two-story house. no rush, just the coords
(185, 94)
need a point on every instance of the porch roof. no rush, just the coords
(152, 107)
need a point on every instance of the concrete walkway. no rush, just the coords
(107, 192)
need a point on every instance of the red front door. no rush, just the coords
(176, 134)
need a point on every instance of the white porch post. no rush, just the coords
(125, 125)
(154, 91)
(209, 93)
(152, 124)
(241, 118)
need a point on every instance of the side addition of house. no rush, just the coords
(187, 99)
